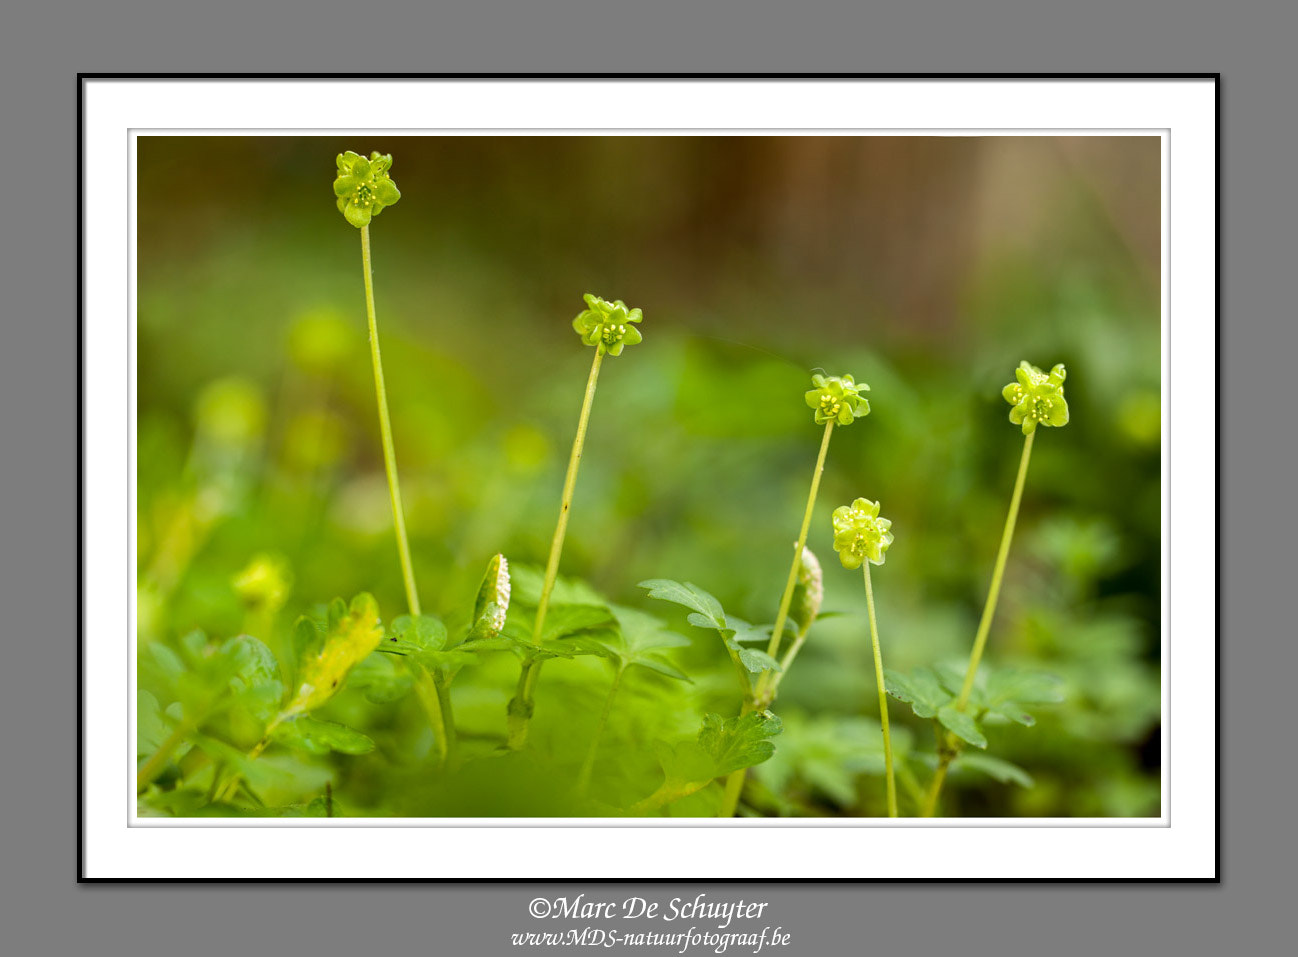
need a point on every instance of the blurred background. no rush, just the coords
(925, 266)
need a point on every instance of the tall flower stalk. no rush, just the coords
(364, 189)
(835, 400)
(861, 538)
(1037, 398)
(609, 327)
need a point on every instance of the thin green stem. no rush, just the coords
(569, 485)
(883, 695)
(232, 787)
(443, 685)
(426, 689)
(787, 661)
(949, 751)
(989, 609)
(935, 788)
(777, 634)
(730, 799)
(385, 430)
(520, 713)
(583, 778)
(765, 690)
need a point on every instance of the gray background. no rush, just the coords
(43, 910)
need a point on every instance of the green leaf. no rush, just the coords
(742, 631)
(1007, 691)
(690, 596)
(662, 666)
(308, 637)
(562, 621)
(921, 689)
(255, 684)
(354, 631)
(738, 742)
(320, 737)
(501, 643)
(413, 635)
(380, 679)
(1029, 687)
(642, 640)
(752, 659)
(961, 725)
(576, 646)
(722, 746)
(1002, 771)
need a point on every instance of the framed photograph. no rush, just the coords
(497, 478)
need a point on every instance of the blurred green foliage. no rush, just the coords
(927, 267)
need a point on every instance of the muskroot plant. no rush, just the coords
(609, 327)
(861, 538)
(835, 400)
(1037, 399)
(220, 719)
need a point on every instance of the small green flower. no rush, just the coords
(1037, 397)
(607, 325)
(363, 186)
(859, 533)
(837, 399)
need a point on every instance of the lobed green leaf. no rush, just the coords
(689, 596)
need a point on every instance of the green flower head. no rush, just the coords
(837, 399)
(607, 325)
(1037, 397)
(363, 186)
(859, 533)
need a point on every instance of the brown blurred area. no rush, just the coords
(901, 228)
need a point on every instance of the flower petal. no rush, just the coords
(845, 415)
(1058, 414)
(344, 185)
(1018, 412)
(813, 398)
(1029, 426)
(387, 193)
(632, 336)
(1013, 393)
(358, 216)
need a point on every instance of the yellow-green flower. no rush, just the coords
(837, 399)
(860, 534)
(363, 186)
(1037, 397)
(607, 325)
